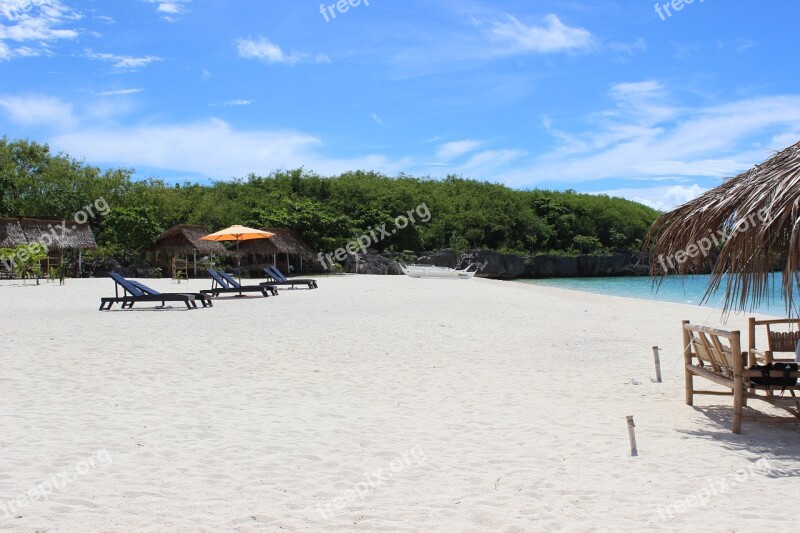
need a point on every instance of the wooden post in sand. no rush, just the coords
(687, 360)
(658, 364)
(632, 436)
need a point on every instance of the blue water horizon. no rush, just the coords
(676, 289)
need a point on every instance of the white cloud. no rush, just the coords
(628, 49)
(265, 51)
(489, 159)
(118, 92)
(37, 110)
(479, 163)
(41, 113)
(378, 120)
(34, 29)
(122, 62)
(40, 27)
(488, 37)
(270, 53)
(661, 198)
(739, 45)
(648, 88)
(552, 37)
(455, 149)
(232, 103)
(211, 148)
(784, 139)
(171, 8)
(646, 138)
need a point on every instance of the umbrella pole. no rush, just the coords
(239, 261)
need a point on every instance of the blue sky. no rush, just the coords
(593, 95)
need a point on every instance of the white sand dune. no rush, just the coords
(371, 404)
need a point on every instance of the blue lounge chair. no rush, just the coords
(277, 278)
(134, 292)
(203, 298)
(222, 283)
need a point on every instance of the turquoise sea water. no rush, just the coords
(686, 290)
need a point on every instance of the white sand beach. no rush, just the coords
(371, 404)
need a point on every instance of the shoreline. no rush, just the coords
(757, 312)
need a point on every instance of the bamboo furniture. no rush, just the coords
(777, 341)
(716, 355)
(179, 268)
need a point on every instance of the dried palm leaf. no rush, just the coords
(752, 222)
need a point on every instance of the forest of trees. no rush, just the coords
(327, 212)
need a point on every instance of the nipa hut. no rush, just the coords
(58, 236)
(286, 250)
(180, 246)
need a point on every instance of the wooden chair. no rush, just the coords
(777, 341)
(716, 355)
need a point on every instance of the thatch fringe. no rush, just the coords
(56, 234)
(753, 220)
(285, 241)
(185, 240)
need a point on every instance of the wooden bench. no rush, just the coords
(716, 355)
(777, 341)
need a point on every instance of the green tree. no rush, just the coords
(130, 229)
(327, 212)
(586, 244)
(25, 260)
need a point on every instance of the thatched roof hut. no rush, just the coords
(753, 220)
(285, 250)
(55, 234)
(185, 240)
(285, 241)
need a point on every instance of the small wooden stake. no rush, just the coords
(658, 364)
(632, 436)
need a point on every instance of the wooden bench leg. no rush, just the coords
(687, 360)
(738, 403)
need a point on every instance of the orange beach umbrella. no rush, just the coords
(237, 233)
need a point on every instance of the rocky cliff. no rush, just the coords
(496, 265)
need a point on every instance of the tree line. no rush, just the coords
(327, 212)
